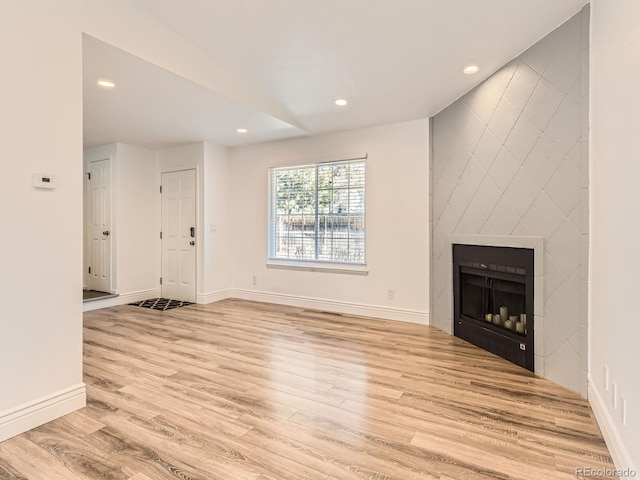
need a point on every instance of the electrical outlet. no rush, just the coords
(623, 410)
(614, 395)
(254, 280)
(391, 294)
(605, 377)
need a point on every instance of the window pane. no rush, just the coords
(356, 175)
(318, 212)
(356, 200)
(340, 176)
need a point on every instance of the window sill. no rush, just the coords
(310, 266)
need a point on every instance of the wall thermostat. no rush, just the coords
(42, 180)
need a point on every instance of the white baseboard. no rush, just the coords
(38, 412)
(121, 299)
(214, 296)
(619, 453)
(387, 313)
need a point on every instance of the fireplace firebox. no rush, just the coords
(493, 300)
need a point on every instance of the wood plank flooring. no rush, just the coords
(251, 391)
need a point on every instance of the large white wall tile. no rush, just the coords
(504, 218)
(542, 105)
(500, 80)
(460, 199)
(564, 129)
(487, 149)
(443, 190)
(472, 221)
(564, 305)
(460, 155)
(445, 225)
(442, 147)
(576, 217)
(544, 217)
(563, 367)
(553, 276)
(554, 337)
(564, 70)
(487, 196)
(584, 161)
(538, 339)
(522, 85)
(543, 160)
(522, 138)
(473, 175)
(468, 126)
(562, 247)
(503, 170)
(503, 120)
(522, 191)
(564, 186)
(539, 56)
(483, 101)
(521, 230)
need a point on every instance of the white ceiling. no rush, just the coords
(394, 60)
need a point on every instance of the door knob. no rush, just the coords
(192, 242)
(106, 233)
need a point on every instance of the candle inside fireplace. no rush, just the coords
(488, 317)
(504, 314)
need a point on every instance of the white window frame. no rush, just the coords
(313, 264)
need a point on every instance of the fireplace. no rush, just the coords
(493, 300)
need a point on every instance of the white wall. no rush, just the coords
(216, 218)
(41, 245)
(615, 223)
(137, 215)
(397, 223)
(41, 132)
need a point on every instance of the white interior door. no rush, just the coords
(178, 235)
(99, 184)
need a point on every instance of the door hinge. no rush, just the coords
(160, 280)
(89, 269)
(160, 188)
(88, 175)
(160, 235)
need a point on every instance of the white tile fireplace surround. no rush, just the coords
(510, 167)
(537, 245)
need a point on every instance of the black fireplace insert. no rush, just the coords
(493, 300)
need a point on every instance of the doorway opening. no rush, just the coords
(178, 235)
(98, 231)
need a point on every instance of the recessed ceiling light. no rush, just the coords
(470, 69)
(341, 102)
(106, 83)
(242, 130)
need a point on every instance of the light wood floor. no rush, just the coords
(241, 390)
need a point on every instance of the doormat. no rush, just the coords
(161, 303)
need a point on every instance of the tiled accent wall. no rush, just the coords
(510, 159)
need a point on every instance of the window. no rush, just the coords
(317, 213)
